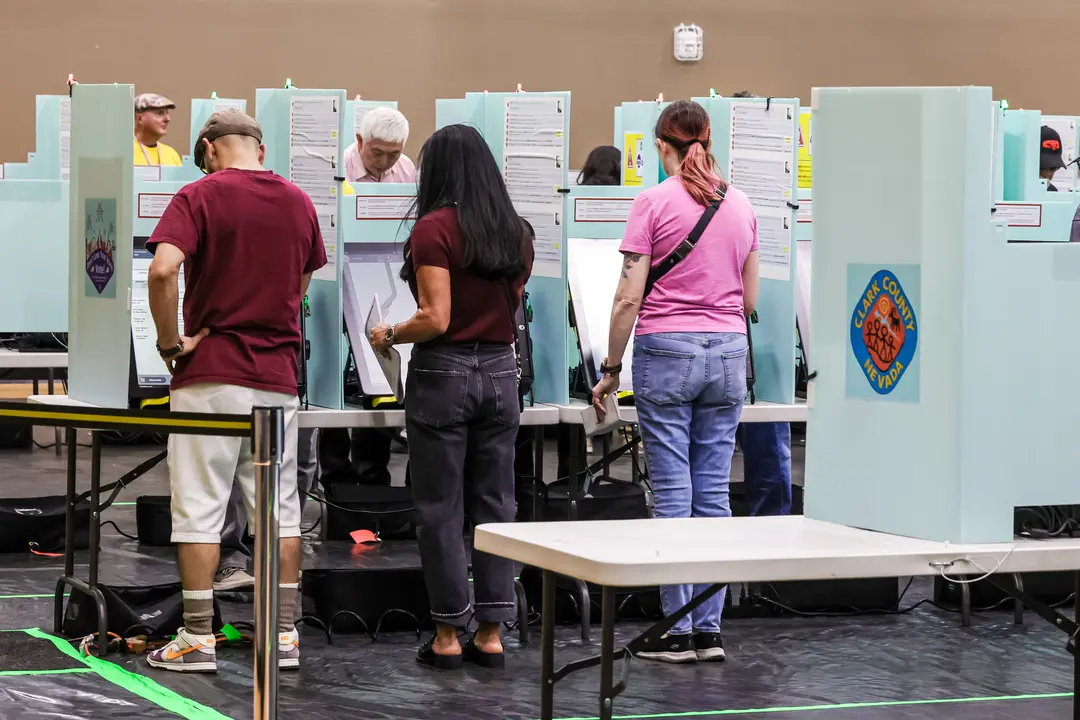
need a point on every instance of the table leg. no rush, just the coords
(547, 648)
(95, 534)
(69, 534)
(52, 391)
(607, 654)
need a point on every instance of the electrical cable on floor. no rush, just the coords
(117, 528)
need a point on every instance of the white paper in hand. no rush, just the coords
(391, 363)
(593, 425)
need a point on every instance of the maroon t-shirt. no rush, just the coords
(479, 308)
(248, 237)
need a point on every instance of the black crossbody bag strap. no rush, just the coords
(683, 249)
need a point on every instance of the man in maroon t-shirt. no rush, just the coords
(248, 241)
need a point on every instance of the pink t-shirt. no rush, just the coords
(704, 292)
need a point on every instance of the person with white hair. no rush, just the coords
(377, 155)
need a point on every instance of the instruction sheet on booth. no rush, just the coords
(313, 152)
(761, 164)
(65, 138)
(534, 168)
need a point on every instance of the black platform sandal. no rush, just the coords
(473, 654)
(427, 656)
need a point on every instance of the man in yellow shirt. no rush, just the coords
(151, 124)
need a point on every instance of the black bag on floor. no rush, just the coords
(38, 523)
(606, 499)
(386, 511)
(153, 610)
(153, 520)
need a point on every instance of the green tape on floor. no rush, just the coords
(139, 685)
(839, 706)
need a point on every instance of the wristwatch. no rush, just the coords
(390, 334)
(606, 369)
(170, 353)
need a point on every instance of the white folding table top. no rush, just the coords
(318, 417)
(760, 411)
(633, 553)
(40, 360)
(355, 417)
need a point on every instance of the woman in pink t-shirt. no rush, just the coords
(690, 345)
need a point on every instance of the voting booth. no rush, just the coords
(529, 136)
(34, 226)
(938, 331)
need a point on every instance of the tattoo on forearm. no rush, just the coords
(629, 263)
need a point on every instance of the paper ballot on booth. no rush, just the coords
(390, 364)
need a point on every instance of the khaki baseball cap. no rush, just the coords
(224, 122)
(150, 101)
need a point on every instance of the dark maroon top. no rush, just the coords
(479, 308)
(248, 237)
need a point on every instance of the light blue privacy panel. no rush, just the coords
(596, 212)
(273, 110)
(1021, 181)
(34, 236)
(938, 448)
(635, 138)
(998, 129)
(460, 111)
(754, 166)
(53, 126)
(543, 205)
(100, 268)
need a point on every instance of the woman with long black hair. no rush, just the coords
(467, 260)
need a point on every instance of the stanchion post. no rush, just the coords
(268, 433)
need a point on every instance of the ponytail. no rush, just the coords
(698, 174)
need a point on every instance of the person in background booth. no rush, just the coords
(1050, 159)
(766, 449)
(602, 167)
(376, 156)
(690, 345)
(230, 231)
(466, 261)
(152, 116)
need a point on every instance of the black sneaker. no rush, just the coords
(709, 647)
(670, 649)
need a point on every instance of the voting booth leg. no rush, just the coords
(547, 647)
(69, 580)
(268, 432)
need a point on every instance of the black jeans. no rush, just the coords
(462, 416)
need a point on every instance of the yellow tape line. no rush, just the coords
(126, 420)
(383, 400)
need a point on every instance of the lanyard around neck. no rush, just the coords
(147, 155)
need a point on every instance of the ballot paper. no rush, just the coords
(761, 164)
(314, 146)
(389, 362)
(534, 168)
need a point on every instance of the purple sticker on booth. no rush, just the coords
(100, 247)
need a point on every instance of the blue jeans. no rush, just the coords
(689, 390)
(766, 467)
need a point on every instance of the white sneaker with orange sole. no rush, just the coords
(186, 653)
